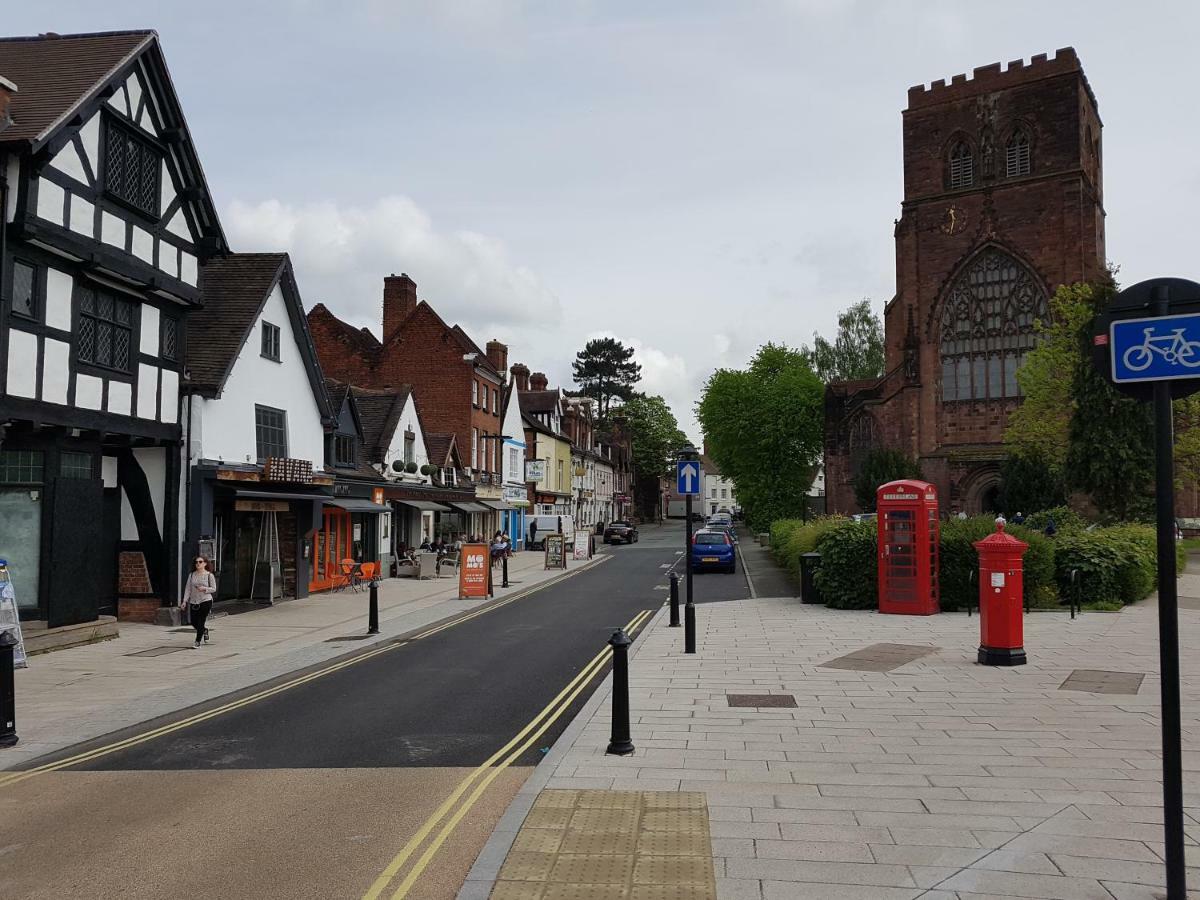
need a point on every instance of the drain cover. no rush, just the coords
(762, 701)
(880, 657)
(156, 651)
(1098, 681)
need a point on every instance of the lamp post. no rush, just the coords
(686, 455)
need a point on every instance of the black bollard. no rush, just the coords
(689, 626)
(8, 691)
(373, 614)
(674, 600)
(620, 744)
(504, 563)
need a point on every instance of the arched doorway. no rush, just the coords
(981, 491)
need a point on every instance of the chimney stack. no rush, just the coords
(497, 354)
(538, 381)
(7, 89)
(520, 375)
(399, 299)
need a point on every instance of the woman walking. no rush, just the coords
(197, 598)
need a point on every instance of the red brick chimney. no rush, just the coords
(399, 299)
(520, 374)
(538, 381)
(497, 354)
(7, 89)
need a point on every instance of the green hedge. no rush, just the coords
(848, 578)
(791, 538)
(1066, 520)
(1115, 565)
(959, 559)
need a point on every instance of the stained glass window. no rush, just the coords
(988, 325)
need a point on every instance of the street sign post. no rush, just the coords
(1148, 346)
(687, 478)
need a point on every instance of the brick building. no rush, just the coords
(1002, 204)
(458, 382)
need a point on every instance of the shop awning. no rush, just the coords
(470, 507)
(350, 504)
(280, 495)
(424, 505)
(498, 505)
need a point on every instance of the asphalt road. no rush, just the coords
(312, 791)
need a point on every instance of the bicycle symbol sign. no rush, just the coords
(1157, 349)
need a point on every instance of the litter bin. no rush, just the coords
(809, 563)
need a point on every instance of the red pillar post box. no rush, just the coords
(907, 523)
(1001, 584)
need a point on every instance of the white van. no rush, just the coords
(548, 525)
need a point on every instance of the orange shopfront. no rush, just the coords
(349, 530)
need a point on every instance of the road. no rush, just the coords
(383, 777)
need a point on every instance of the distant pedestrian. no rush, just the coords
(198, 598)
(533, 533)
(1018, 519)
(961, 515)
(1051, 530)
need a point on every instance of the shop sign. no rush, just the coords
(535, 469)
(377, 496)
(514, 494)
(260, 506)
(341, 490)
(473, 571)
(293, 471)
(583, 544)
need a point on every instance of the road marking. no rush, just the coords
(665, 566)
(550, 713)
(89, 755)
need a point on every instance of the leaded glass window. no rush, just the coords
(105, 335)
(24, 294)
(1016, 155)
(988, 325)
(962, 165)
(169, 339)
(21, 466)
(131, 168)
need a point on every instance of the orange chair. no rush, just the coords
(347, 576)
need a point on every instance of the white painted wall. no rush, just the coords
(56, 371)
(58, 299)
(513, 427)
(22, 364)
(408, 422)
(224, 428)
(153, 461)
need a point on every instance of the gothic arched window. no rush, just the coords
(962, 165)
(863, 437)
(988, 326)
(1016, 154)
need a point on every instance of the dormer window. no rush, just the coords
(132, 166)
(962, 165)
(343, 451)
(1016, 155)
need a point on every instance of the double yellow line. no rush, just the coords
(514, 749)
(107, 749)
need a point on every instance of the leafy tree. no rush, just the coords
(1029, 484)
(880, 467)
(655, 439)
(604, 370)
(856, 352)
(763, 428)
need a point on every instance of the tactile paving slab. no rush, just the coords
(880, 657)
(611, 845)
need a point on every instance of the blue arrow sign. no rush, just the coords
(687, 477)
(1163, 348)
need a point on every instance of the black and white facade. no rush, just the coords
(106, 221)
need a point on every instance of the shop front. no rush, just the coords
(473, 519)
(516, 502)
(353, 531)
(426, 512)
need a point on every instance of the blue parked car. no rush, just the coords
(713, 549)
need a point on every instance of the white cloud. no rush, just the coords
(667, 375)
(342, 253)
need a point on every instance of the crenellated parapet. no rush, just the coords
(997, 77)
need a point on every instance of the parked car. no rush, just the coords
(726, 527)
(697, 517)
(620, 532)
(713, 549)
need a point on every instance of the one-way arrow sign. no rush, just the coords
(687, 478)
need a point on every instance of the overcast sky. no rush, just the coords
(692, 177)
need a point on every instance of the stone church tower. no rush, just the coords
(1002, 204)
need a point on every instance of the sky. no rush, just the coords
(692, 177)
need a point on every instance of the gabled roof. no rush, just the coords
(442, 450)
(234, 289)
(472, 347)
(57, 73)
(379, 412)
(360, 340)
(60, 76)
(531, 422)
(534, 402)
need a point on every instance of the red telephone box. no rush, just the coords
(908, 547)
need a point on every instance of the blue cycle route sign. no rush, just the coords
(687, 477)
(1162, 348)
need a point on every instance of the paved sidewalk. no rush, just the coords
(934, 777)
(81, 693)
